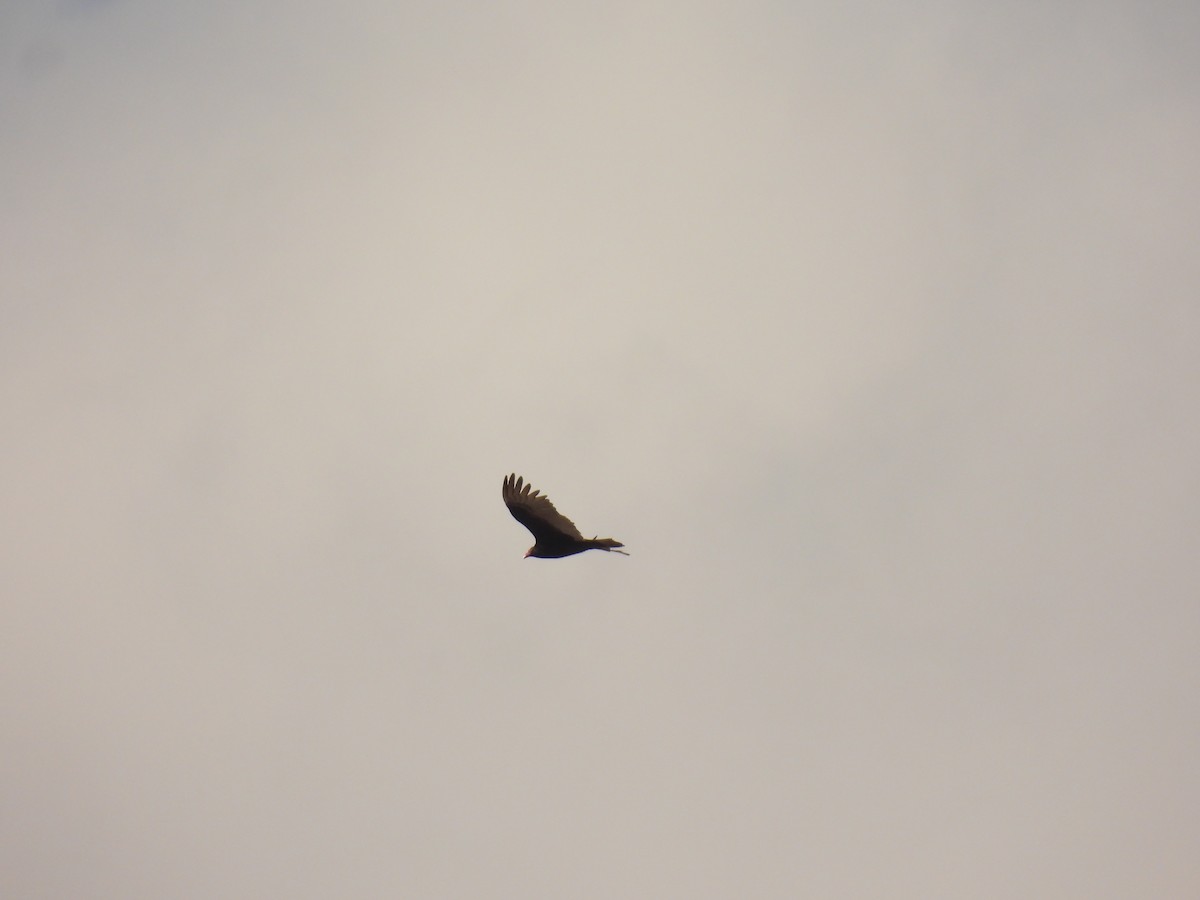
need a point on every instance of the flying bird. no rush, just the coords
(554, 535)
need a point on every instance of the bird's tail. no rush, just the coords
(608, 544)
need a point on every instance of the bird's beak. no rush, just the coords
(527, 552)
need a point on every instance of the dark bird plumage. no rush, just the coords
(554, 535)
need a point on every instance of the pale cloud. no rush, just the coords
(872, 335)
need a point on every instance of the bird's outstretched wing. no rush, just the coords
(535, 511)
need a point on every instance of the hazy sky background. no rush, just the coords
(870, 328)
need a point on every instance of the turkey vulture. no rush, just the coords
(554, 535)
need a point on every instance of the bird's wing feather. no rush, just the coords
(536, 512)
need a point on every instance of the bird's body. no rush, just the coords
(555, 536)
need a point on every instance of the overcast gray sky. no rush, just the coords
(871, 329)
